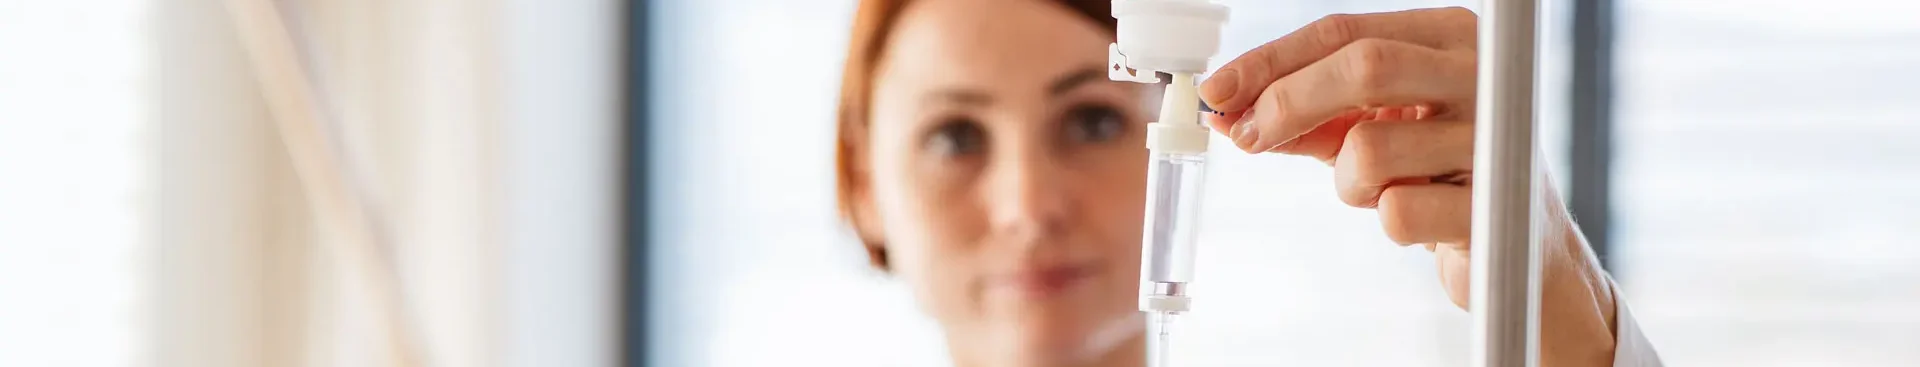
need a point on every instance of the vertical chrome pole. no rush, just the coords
(1505, 294)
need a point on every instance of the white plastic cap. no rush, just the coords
(1171, 36)
(1178, 130)
(1165, 303)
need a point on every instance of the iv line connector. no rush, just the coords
(1170, 297)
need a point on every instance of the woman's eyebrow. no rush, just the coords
(966, 97)
(1064, 83)
(1074, 79)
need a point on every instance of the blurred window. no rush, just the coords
(73, 117)
(1765, 164)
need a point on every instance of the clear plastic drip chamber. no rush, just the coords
(1177, 37)
(1173, 208)
(1176, 175)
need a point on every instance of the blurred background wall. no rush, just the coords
(601, 182)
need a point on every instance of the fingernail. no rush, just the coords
(1244, 132)
(1221, 86)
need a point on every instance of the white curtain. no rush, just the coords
(438, 115)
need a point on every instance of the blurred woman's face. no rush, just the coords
(1007, 176)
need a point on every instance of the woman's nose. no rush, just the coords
(1029, 198)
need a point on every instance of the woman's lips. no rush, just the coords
(1045, 281)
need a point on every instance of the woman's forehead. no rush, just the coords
(990, 43)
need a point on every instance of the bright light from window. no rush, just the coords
(72, 113)
(1764, 180)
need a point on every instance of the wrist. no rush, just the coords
(1576, 298)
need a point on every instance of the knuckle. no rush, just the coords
(1458, 13)
(1349, 186)
(1395, 219)
(1276, 98)
(1369, 64)
(1334, 30)
(1353, 196)
(1461, 22)
(1356, 195)
(1368, 142)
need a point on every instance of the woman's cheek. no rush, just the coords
(916, 261)
(927, 237)
(1121, 204)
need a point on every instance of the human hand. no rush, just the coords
(1387, 99)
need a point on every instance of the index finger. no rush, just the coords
(1234, 86)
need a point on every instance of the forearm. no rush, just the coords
(1576, 299)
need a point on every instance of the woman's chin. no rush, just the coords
(1066, 337)
(1060, 323)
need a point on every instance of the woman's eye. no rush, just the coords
(957, 137)
(1094, 124)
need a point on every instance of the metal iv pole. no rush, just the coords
(1505, 280)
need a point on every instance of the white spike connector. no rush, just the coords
(1176, 37)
